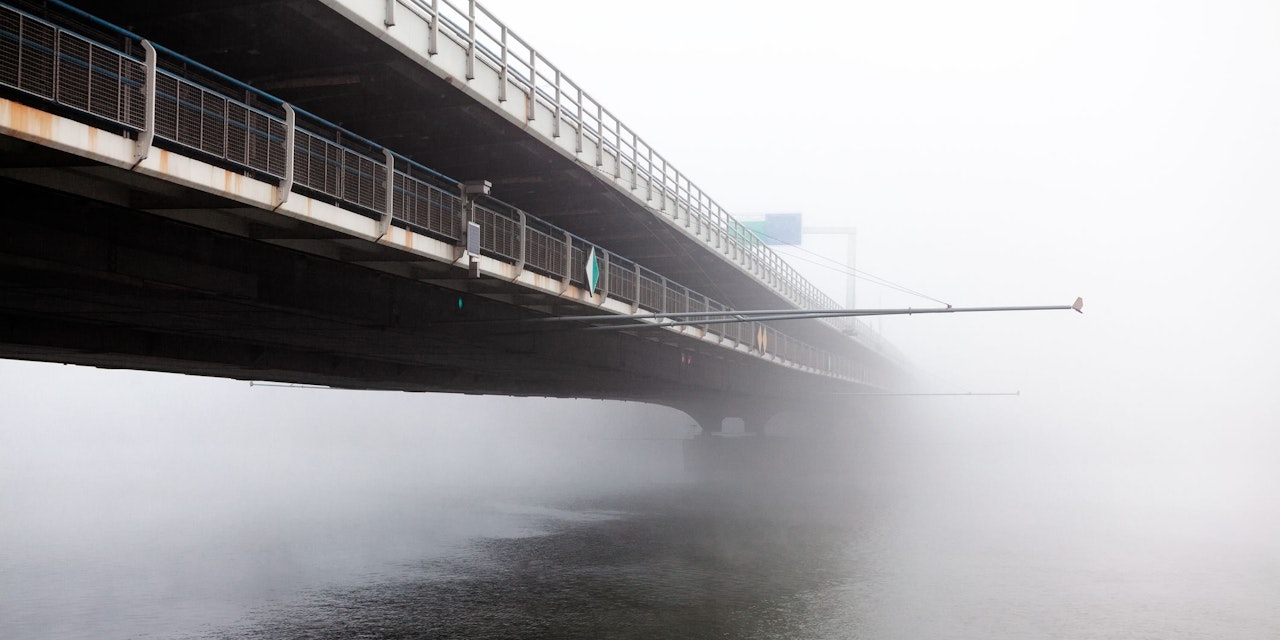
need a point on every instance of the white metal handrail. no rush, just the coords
(489, 41)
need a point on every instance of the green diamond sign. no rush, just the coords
(593, 270)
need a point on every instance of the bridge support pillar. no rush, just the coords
(711, 416)
(813, 446)
(731, 456)
(753, 422)
(734, 460)
(710, 421)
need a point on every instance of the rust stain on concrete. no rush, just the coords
(31, 121)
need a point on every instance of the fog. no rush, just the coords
(1003, 153)
(130, 436)
(989, 153)
(139, 503)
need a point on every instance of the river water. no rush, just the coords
(123, 526)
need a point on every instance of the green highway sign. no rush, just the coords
(775, 228)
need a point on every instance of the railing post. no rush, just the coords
(689, 211)
(555, 126)
(142, 146)
(471, 39)
(719, 227)
(464, 217)
(635, 299)
(675, 210)
(523, 246)
(433, 32)
(290, 141)
(581, 125)
(662, 186)
(604, 276)
(531, 113)
(502, 75)
(635, 160)
(599, 135)
(389, 20)
(649, 177)
(568, 262)
(617, 158)
(384, 224)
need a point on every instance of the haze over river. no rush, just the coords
(211, 515)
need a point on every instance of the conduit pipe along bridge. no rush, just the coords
(374, 194)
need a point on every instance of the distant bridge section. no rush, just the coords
(184, 220)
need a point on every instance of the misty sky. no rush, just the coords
(992, 153)
(989, 153)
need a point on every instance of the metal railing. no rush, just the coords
(489, 42)
(72, 72)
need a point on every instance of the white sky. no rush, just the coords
(989, 153)
(992, 153)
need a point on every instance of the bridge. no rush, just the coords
(376, 194)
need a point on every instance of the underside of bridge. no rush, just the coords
(310, 56)
(105, 267)
(98, 267)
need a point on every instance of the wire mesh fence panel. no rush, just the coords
(316, 163)
(545, 252)
(428, 207)
(73, 71)
(213, 124)
(105, 95)
(187, 115)
(695, 303)
(26, 53)
(499, 234)
(677, 298)
(622, 279)
(364, 180)
(255, 139)
(651, 291)
(578, 263)
(716, 329)
(133, 93)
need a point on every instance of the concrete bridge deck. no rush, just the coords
(178, 263)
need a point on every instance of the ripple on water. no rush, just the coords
(663, 570)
